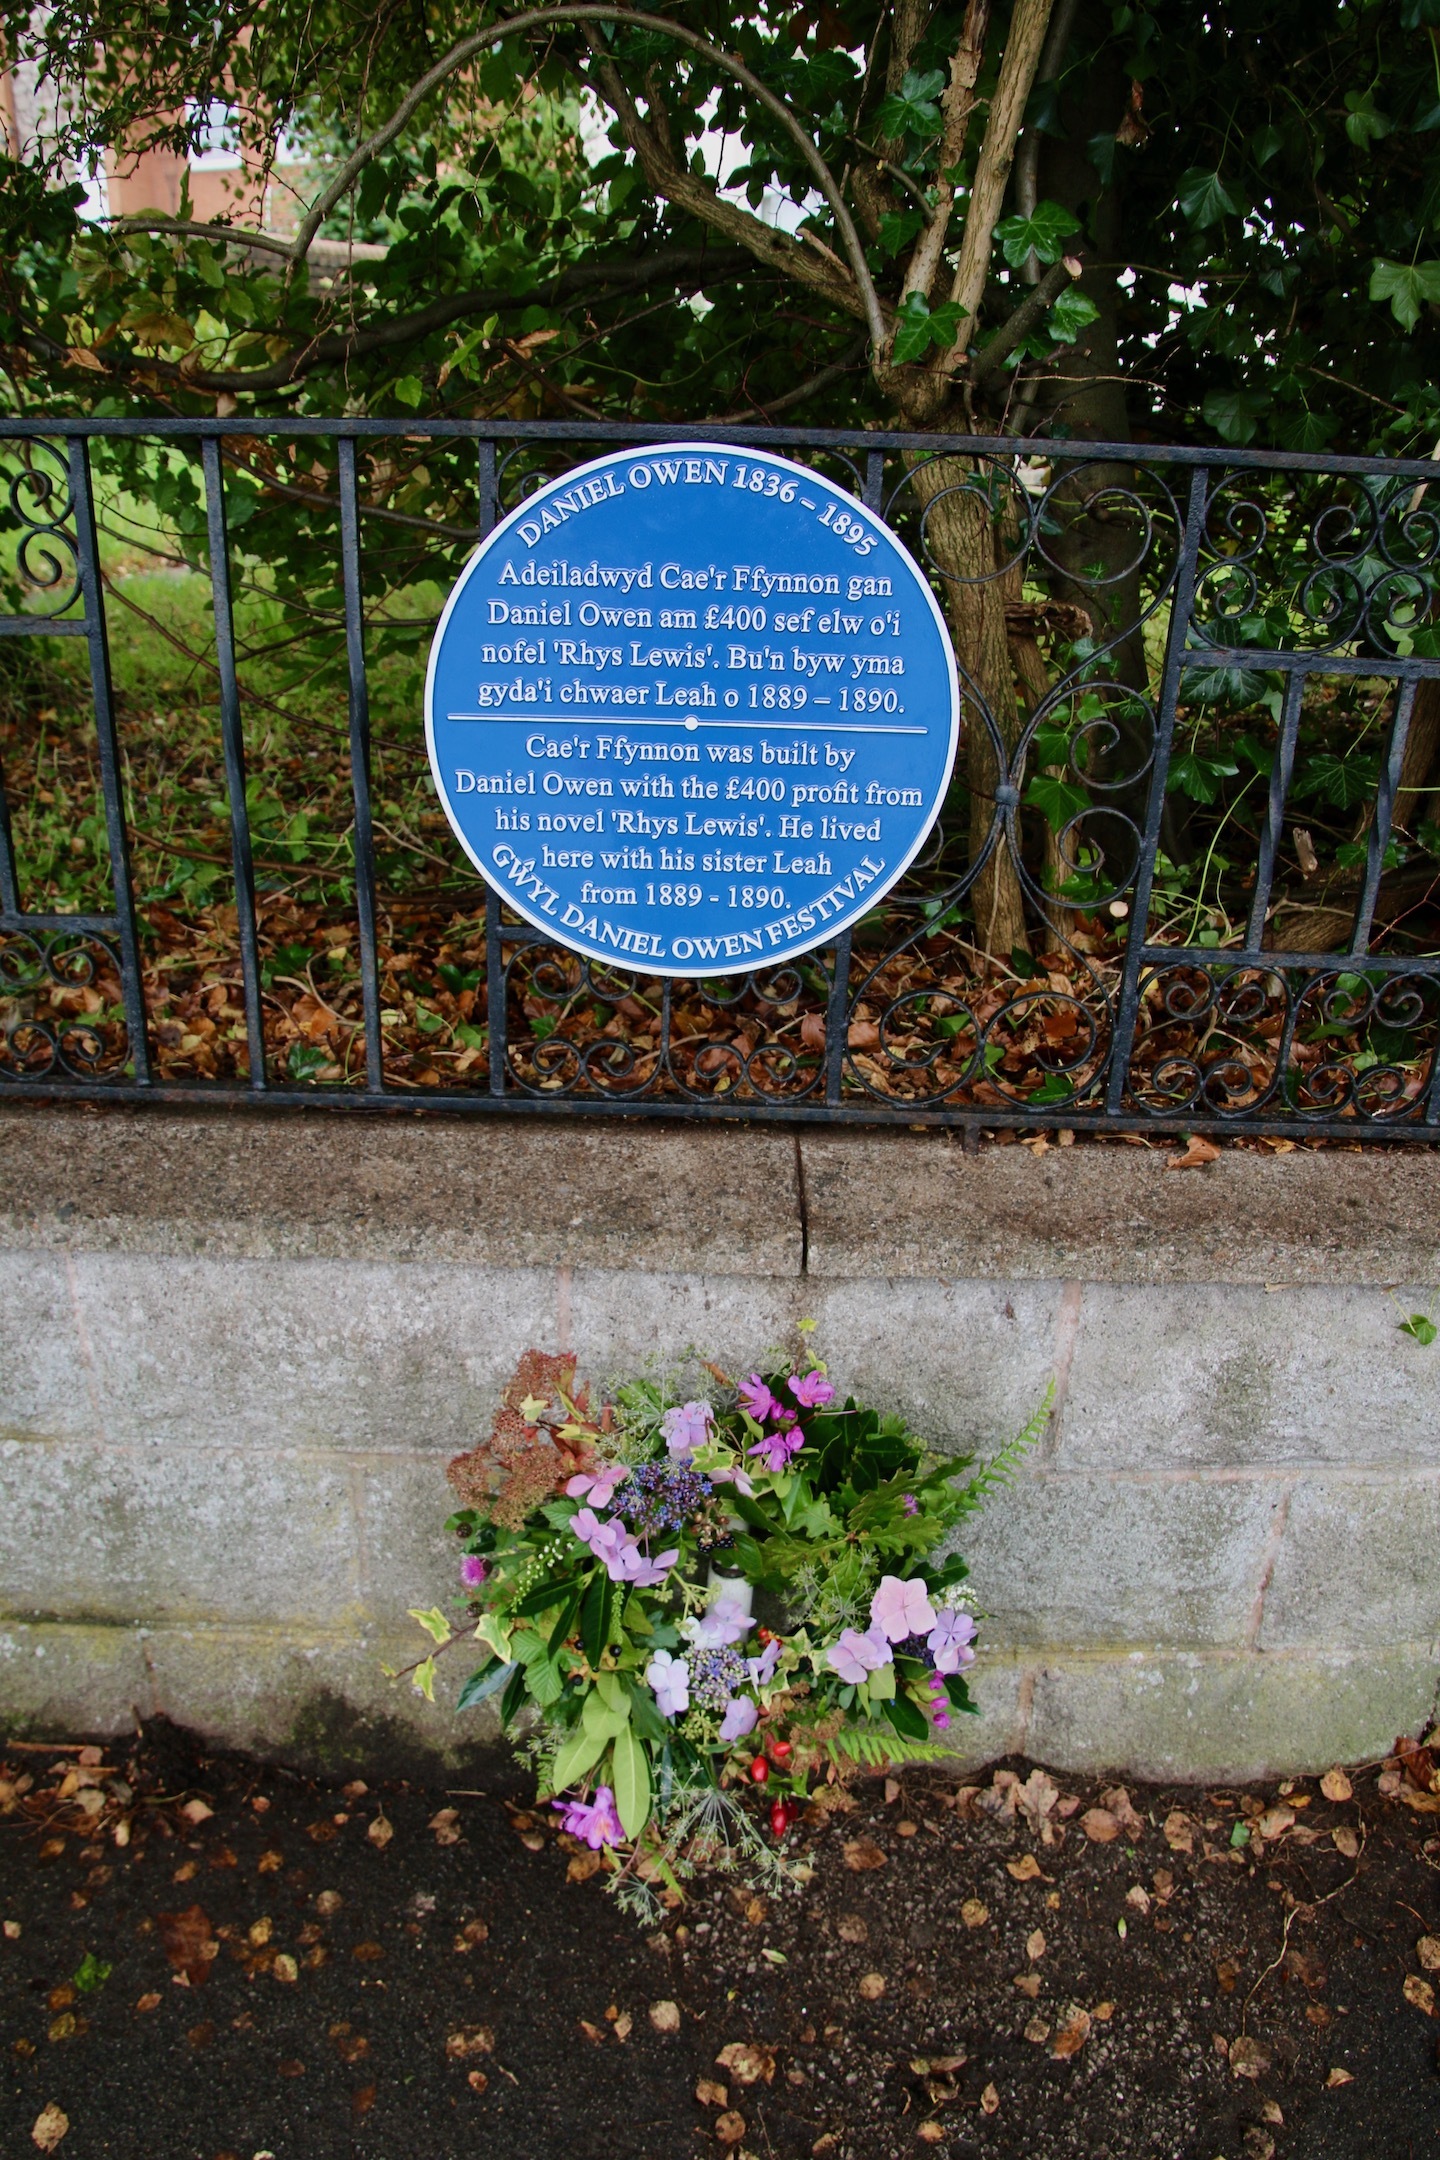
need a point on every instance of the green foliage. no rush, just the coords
(919, 327)
(913, 110)
(1420, 1328)
(1408, 287)
(1042, 234)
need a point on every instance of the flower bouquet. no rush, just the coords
(694, 1605)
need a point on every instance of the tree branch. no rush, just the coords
(821, 381)
(1023, 46)
(997, 349)
(957, 106)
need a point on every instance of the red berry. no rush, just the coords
(782, 1750)
(760, 1770)
(779, 1818)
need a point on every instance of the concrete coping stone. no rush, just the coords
(741, 1200)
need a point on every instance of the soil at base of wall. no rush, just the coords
(271, 1966)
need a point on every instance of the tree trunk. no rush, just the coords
(960, 533)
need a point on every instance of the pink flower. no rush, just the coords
(855, 1655)
(597, 1823)
(670, 1678)
(737, 1477)
(631, 1565)
(723, 1623)
(949, 1641)
(757, 1399)
(686, 1429)
(813, 1392)
(599, 1488)
(775, 1449)
(901, 1608)
(760, 1671)
(473, 1571)
(741, 1717)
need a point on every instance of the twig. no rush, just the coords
(1291, 1917)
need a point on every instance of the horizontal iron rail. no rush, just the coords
(619, 432)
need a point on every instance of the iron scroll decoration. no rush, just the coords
(691, 709)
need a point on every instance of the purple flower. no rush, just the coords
(726, 1621)
(760, 1671)
(597, 1823)
(599, 1488)
(855, 1655)
(813, 1392)
(631, 1565)
(901, 1608)
(949, 1641)
(941, 1720)
(686, 1429)
(910, 1504)
(670, 1678)
(473, 1571)
(757, 1399)
(607, 1540)
(741, 1717)
(737, 1477)
(776, 1448)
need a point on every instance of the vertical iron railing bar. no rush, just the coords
(496, 992)
(233, 738)
(359, 708)
(92, 594)
(1280, 773)
(9, 877)
(489, 489)
(874, 492)
(1181, 603)
(1379, 840)
(835, 1029)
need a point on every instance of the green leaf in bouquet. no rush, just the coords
(646, 1719)
(597, 1609)
(880, 1687)
(959, 1695)
(544, 1597)
(630, 1770)
(423, 1679)
(597, 1717)
(485, 1681)
(434, 1622)
(906, 1719)
(514, 1695)
(614, 1694)
(579, 1754)
(492, 1629)
(565, 1625)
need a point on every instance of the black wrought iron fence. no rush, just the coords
(1187, 877)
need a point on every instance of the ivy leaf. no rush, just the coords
(912, 110)
(1204, 197)
(1057, 800)
(918, 327)
(434, 1623)
(1199, 776)
(1306, 430)
(1363, 123)
(898, 228)
(1235, 414)
(1071, 311)
(423, 1679)
(1342, 781)
(1041, 234)
(1265, 143)
(1407, 286)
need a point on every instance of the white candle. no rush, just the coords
(732, 1589)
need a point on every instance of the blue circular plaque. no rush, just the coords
(691, 709)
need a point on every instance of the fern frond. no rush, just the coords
(998, 1472)
(876, 1749)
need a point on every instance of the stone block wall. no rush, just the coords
(236, 1353)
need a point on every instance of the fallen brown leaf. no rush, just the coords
(1029, 1983)
(1038, 2031)
(989, 2101)
(973, 1913)
(1428, 1952)
(1099, 1825)
(1335, 1785)
(189, 1942)
(581, 1868)
(1035, 1944)
(1071, 2034)
(285, 1968)
(872, 1986)
(892, 1791)
(362, 2100)
(862, 1853)
(270, 1863)
(1025, 1869)
(327, 1902)
(476, 2080)
(1196, 1156)
(469, 2040)
(591, 2032)
(380, 1832)
(1103, 2012)
(729, 2128)
(148, 2002)
(51, 2125)
(1345, 1841)
(665, 2017)
(1271, 2111)
(195, 1811)
(748, 2062)
(368, 1953)
(1419, 1993)
(292, 2067)
(851, 1928)
(623, 2026)
(1178, 1831)
(1258, 2144)
(1138, 1898)
(445, 1823)
(711, 2093)
(1247, 2058)
(1339, 2077)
